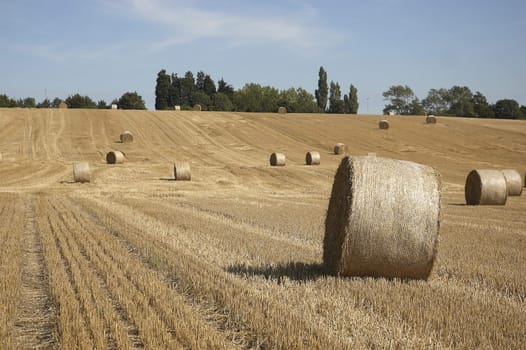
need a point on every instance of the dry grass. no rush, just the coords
(233, 259)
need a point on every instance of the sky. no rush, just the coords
(104, 48)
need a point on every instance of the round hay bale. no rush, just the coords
(513, 182)
(126, 137)
(81, 172)
(383, 124)
(277, 159)
(177, 108)
(62, 105)
(282, 110)
(182, 171)
(383, 219)
(339, 148)
(485, 187)
(197, 107)
(431, 119)
(114, 106)
(312, 158)
(115, 157)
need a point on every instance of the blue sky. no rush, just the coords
(103, 48)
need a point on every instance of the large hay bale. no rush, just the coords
(312, 158)
(81, 172)
(383, 219)
(197, 107)
(62, 105)
(277, 159)
(282, 110)
(339, 148)
(126, 137)
(431, 119)
(513, 182)
(182, 171)
(485, 187)
(114, 106)
(177, 108)
(115, 157)
(383, 124)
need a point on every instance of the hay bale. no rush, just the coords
(177, 108)
(115, 157)
(485, 187)
(197, 107)
(431, 119)
(114, 106)
(81, 172)
(383, 219)
(312, 158)
(182, 171)
(62, 105)
(513, 182)
(383, 124)
(126, 137)
(339, 148)
(282, 110)
(277, 159)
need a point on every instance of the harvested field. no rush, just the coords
(233, 258)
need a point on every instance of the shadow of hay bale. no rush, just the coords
(296, 271)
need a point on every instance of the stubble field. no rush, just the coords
(232, 259)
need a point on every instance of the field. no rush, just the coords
(232, 259)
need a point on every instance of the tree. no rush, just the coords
(187, 89)
(437, 102)
(203, 100)
(209, 87)
(174, 96)
(6, 101)
(225, 88)
(416, 108)
(256, 98)
(102, 104)
(400, 99)
(481, 107)
(221, 102)
(461, 101)
(351, 101)
(28, 102)
(78, 101)
(523, 111)
(335, 99)
(162, 91)
(46, 103)
(131, 100)
(507, 109)
(56, 102)
(322, 91)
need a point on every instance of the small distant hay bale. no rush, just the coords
(313, 158)
(391, 113)
(339, 148)
(62, 105)
(513, 182)
(81, 172)
(485, 187)
(431, 119)
(282, 110)
(182, 171)
(126, 137)
(115, 157)
(383, 219)
(177, 108)
(114, 106)
(197, 107)
(277, 159)
(383, 124)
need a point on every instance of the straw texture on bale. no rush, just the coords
(312, 158)
(383, 124)
(115, 157)
(126, 137)
(431, 119)
(485, 187)
(277, 159)
(81, 172)
(513, 182)
(339, 148)
(383, 219)
(282, 110)
(182, 171)
(197, 107)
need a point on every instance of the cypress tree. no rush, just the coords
(322, 91)
(162, 90)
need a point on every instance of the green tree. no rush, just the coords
(174, 97)
(322, 91)
(6, 101)
(335, 99)
(225, 88)
(221, 102)
(187, 89)
(437, 102)
(481, 107)
(256, 98)
(202, 99)
(507, 109)
(461, 102)
(400, 99)
(131, 100)
(56, 102)
(416, 108)
(162, 91)
(523, 111)
(209, 86)
(102, 105)
(350, 101)
(28, 102)
(78, 101)
(46, 103)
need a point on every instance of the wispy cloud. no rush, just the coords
(185, 21)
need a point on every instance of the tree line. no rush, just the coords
(458, 101)
(187, 91)
(128, 100)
